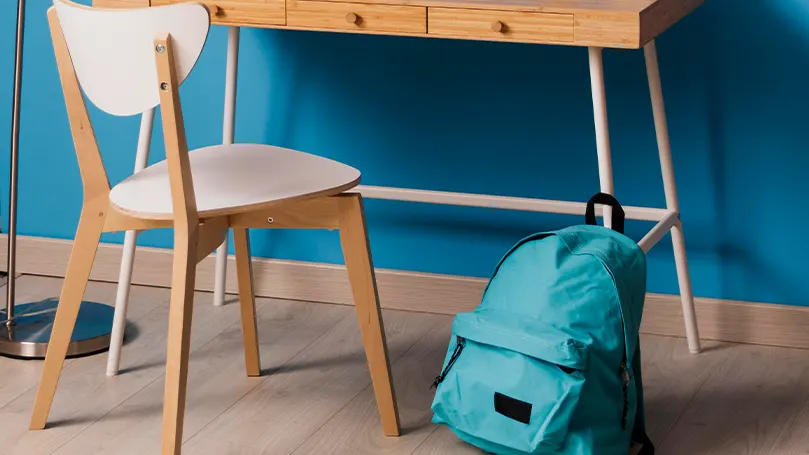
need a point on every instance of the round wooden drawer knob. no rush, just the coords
(353, 18)
(498, 27)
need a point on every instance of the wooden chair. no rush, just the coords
(128, 61)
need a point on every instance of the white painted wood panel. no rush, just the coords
(231, 178)
(113, 51)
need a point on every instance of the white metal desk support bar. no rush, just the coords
(128, 258)
(142, 157)
(228, 134)
(602, 126)
(667, 219)
(670, 188)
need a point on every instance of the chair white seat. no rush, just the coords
(233, 178)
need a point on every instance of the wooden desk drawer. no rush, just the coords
(358, 17)
(255, 13)
(501, 25)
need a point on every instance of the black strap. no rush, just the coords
(617, 211)
(639, 431)
(647, 448)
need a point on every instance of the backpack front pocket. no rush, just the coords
(509, 388)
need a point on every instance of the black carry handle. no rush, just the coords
(617, 211)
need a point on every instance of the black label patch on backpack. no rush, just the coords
(512, 408)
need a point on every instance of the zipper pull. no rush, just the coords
(625, 375)
(459, 345)
(626, 379)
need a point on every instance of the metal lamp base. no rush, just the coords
(28, 337)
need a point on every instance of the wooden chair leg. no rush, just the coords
(81, 261)
(357, 252)
(179, 339)
(247, 301)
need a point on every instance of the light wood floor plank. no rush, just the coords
(672, 376)
(442, 441)
(794, 438)
(26, 373)
(217, 379)
(86, 394)
(743, 407)
(292, 404)
(35, 288)
(356, 429)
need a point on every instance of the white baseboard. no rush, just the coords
(722, 320)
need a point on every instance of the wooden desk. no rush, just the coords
(596, 24)
(601, 23)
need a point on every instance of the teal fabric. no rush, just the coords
(557, 328)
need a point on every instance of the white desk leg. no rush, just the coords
(602, 127)
(128, 259)
(677, 238)
(228, 128)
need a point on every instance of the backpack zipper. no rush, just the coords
(461, 342)
(623, 373)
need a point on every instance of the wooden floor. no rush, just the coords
(315, 395)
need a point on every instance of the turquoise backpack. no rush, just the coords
(541, 366)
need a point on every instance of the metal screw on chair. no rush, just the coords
(270, 220)
(160, 48)
(164, 86)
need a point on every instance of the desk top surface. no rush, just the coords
(597, 23)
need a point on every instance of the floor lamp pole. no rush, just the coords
(25, 329)
(15, 149)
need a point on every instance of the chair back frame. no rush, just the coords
(91, 167)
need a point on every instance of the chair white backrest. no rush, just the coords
(113, 50)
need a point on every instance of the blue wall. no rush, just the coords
(507, 119)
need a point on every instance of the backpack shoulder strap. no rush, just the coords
(639, 431)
